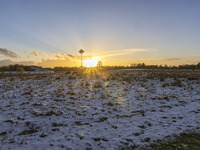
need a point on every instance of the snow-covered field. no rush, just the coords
(28, 72)
(111, 110)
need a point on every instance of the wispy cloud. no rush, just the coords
(158, 61)
(198, 55)
(69, 56)
(123, 52)
(99, 55)
(62, 56)
(57, 62)
(172, 59)
(72, 56)
(163, 59)
(34, 53)
(62, 59)
(59, 59)
(8, 53)
(192, 61)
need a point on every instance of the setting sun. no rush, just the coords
(91, 62)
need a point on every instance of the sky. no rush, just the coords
(50, 33)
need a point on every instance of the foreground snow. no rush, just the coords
(115, 110)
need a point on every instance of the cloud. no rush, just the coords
(72, 56)
(8, 53)
(163, 59)
(195, 55)
(158, 61)
(123, 52)
(78, 57)
(60, 61)
(57, 60)
(7, 62)
(192, 61)
(34, 53)
(60, 56)
(172, 59)
(109, 54)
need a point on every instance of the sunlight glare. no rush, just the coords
(91, 62)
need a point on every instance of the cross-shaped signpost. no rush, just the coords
(81, 52)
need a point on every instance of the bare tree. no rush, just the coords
(99, 64)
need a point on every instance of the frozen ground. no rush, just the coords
(111, 110)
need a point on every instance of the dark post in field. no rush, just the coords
(81, 52)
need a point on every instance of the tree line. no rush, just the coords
(17, 67)
(144, 66)
(22, 68)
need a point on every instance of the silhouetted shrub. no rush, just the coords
(193, 78)
(97, 85)
(176, 83)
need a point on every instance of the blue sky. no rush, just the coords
(120, 32)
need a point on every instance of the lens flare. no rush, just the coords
(107, 83)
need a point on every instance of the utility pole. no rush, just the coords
(81, 52)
